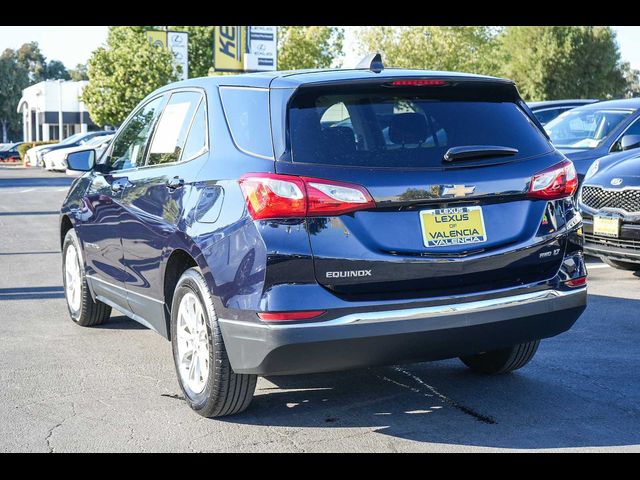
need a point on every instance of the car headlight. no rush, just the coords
(593, 169)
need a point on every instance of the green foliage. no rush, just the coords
(79, 73)
(22, 149)
(309, 47)
(32, 59)
(549, 63)
(13, 79)
(123, 73)
(55, 70)
(463, 49)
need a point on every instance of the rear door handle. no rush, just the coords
(175, 182)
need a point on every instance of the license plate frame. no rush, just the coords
(440, 233)
(606, 226)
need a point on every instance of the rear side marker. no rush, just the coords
(289, 316)
(576, 282)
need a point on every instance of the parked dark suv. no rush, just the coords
(294, 222)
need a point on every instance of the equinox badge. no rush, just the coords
(349, 274)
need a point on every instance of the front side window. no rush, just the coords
(171, 133)
(129, 145)
(247, 113)
(588, 128)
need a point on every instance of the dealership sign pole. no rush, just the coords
(177, 42)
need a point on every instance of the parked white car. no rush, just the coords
(32, 157)
(57, 159)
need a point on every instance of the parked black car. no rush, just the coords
(593, 131)
(10, 152)
(550, 109)
(609, 200)
(297, 222)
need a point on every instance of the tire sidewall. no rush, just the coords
(71, 238)
(191, 283)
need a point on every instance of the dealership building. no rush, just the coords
(52, 110)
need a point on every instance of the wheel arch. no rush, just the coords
(65, 226)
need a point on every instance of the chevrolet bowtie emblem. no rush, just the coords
(457, 190)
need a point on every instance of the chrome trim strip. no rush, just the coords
(92, 277)
(422, 312)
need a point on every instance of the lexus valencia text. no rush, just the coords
(293, 222)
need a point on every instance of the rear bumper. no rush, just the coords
(401, 335)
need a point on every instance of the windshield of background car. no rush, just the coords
(404, 128)
(587, 128)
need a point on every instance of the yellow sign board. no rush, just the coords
(157, 38)
(452, 226)
(229, 47)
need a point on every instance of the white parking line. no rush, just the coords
(27, 190)
(598, 265)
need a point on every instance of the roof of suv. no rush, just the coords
(296, 78)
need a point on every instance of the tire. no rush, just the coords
(621, 265)
(83, 309)
(219, 391)
(502, 361)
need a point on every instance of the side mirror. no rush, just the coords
(81, 161)
(627, 142)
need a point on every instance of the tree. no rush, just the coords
(123, 73)
(79, 73)
(558, 62)
(56, 70)
(632, 78)
(309, 47)
(467, 49)
(13, 79)
(32, 59)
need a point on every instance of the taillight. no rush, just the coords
(289, 316)
(576, 282)
(269, 195)
(558, 181)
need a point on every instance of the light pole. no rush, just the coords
(60, 110)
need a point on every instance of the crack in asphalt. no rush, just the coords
(58, 425)
(443, 398)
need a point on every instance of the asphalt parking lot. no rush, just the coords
(64, 388)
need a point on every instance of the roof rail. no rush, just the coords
(372, 62)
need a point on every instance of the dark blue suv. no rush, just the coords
(309, 221)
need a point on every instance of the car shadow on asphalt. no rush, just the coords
(121, 322)
(581, 390)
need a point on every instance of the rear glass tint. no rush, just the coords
(404, 129)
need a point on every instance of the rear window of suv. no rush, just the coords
(404, 128)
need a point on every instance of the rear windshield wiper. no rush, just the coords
(477, 151)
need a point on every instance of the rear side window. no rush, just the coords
(171, 133)
(197, 140)
(247, 114)
(390, 127)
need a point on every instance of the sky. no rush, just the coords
(73, 45)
